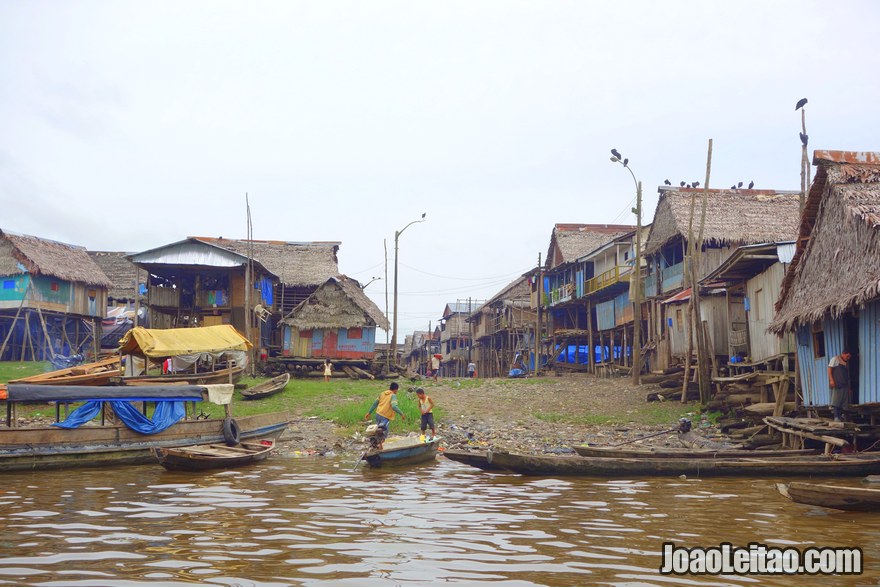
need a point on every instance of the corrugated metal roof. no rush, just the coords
(190, 253)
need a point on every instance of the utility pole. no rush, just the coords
(637, 310)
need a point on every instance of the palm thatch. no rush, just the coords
(29, 254)
(307, 264)
(570, 241)
(734, 217)
(338, 303)
(837, 263)
(121, 272)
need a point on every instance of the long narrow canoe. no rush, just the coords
(474, 458)
(202, 457)
(684, 453)
(809, 466)
(267, 388)
(406, 451)
(859, 499)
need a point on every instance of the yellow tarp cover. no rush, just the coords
(158, 343)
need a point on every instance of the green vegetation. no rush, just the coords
(14, 370)
(582, 419)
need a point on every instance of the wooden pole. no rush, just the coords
(45, 332)
(591, 346)
(15, 320)
(539, 285)
(687, 359)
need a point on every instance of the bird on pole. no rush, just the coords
(801, 103)
(804, 139)
(616, 153)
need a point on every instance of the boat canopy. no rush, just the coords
(171, 342)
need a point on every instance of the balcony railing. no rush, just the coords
(673, 277)
(561, 294)
(614, 275)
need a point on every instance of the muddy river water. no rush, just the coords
(295, 521)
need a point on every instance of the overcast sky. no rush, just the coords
(126, 126)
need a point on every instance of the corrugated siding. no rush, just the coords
(869, 353)
(814, 370)
(623, 309)
(605, 315)
(763, 291)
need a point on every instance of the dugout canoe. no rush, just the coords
(267, 388)
(474, 458)
(97, 373)
(203, 457)
(857, 499)
(808, 466)
(684, 453)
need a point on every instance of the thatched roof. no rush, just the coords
(570, 241)
(121, 272)
(338, 303)
(21, 253)
(733, 217)
(837, 263)
(296, 264)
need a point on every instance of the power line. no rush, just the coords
(507, 275)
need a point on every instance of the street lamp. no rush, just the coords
(397, 234)
(371, 281)
(616, 157)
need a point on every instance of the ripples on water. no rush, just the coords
(316, 522)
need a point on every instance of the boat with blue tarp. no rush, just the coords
(111, 425)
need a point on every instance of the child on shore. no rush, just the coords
(426, 405)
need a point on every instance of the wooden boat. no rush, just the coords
(201, 457)
(474, 458)
(97, 373)
(267, 388)
(51, 447)
(684, 453)
(225, 375)
(402, 451)
(859, 499)
(809, 466)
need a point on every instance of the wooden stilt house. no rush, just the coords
(338, 321)
(502, 328)
(831, 294)
(52, 298)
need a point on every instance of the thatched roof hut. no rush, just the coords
(38, 256)
(837, 263)
(338, 303)
(121, 272)
(570, 241)
(734, 217)
(297, 264)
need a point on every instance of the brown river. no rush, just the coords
(311, 522)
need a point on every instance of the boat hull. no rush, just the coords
(23, 449)
(204, 457)
(474, 458)
(405, 453)
(267, 388)
(857, 499)
(809, 466)
(685, 453)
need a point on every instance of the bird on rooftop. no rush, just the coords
(667, 182)
(751, 184)
(804, 139)
(616, 154)
(733, 187)
(739, 185)
(696, 184)
(682, 184)
(801, 103)
(688, 185)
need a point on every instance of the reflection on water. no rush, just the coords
(304, 522)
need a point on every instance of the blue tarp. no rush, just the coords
(566, 354)
(166, 414)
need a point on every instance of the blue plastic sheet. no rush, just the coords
(166, 414)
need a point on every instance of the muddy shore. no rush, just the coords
(540, 415)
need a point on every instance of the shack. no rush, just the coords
(831, 294)
(735, 217)
(338, 321)
(52, 298)
(503, 330)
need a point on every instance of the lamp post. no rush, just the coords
(371, 281)
(397, 234)
(637, 271)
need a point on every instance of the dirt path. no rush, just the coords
(545, 414)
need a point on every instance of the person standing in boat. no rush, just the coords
(426, 407)
(328, 370)
(385, 407)
(838, 380)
